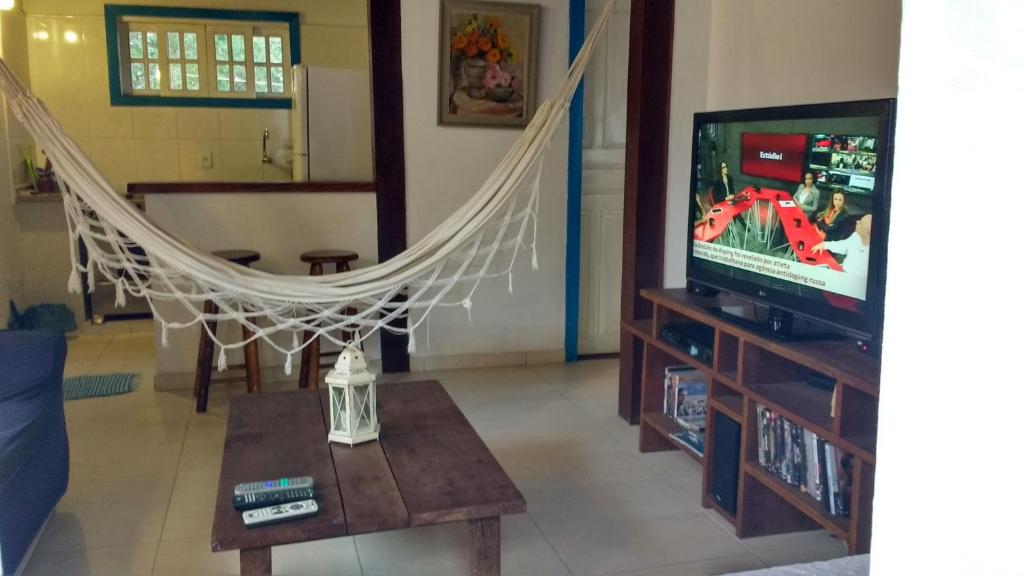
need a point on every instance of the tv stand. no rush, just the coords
(778, 326)
(764, 392)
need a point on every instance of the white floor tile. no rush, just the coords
(132, 560)
(145, 466)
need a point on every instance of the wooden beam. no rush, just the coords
(647, 133)
(389, 152)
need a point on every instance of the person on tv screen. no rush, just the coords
(723, 187)
(830, 221)
(807, 195)
(704, 204)
(855, 247)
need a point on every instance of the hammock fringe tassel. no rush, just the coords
(481, 239)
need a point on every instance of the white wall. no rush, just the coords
(769, 53)
(445, 165)
(149, 143)
(12, 26)
(949, 422)
(279, 226)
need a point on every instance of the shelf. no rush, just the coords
(805, 503)
(750, 369)
(731, 406)
(30, 196)
(641, 328)
(679, 354)
(731, 380)
(666, 426)
(838, 359)
(809, 406)
(862, 447)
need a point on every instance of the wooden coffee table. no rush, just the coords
(429, 467)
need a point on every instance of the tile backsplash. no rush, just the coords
(158, 144)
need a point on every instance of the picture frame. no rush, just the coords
(488, 63)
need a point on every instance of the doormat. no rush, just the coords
(99, 385)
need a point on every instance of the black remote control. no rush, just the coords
(265, 499)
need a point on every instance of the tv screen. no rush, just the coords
(789, 207)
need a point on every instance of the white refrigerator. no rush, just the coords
(332, 125)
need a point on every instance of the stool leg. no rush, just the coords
(304, 363)
(310, 370)
(252, 362)
(204, 362)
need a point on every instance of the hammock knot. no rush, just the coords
(411, 347)
(119, 298)
(74, 281)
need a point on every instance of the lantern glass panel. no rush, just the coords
(339, 408)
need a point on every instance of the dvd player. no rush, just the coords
(695, 340)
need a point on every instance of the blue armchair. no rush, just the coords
(33, 440)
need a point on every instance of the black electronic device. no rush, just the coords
(765, 242)
(701, 290)
(725, 464)
(255, 500)
(696, 340)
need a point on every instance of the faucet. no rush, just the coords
(266, 136)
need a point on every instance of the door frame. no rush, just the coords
(574, 198)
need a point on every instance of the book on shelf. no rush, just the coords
(693, 440)
(672, 375)
(691, 403)
(804, 460)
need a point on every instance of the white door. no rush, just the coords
(604, 161)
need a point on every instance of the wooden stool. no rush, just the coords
(309, 371)
(204, 360)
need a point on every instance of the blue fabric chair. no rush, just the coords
(33, 440)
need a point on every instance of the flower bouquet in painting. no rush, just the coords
(489, 50)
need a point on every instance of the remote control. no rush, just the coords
(279, 513)
(273, 485)
(264, 499)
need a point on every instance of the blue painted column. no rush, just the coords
(574, 201)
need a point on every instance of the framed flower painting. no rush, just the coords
(488, 63)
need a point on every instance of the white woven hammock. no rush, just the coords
(480, 240)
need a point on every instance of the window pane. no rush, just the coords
(238, 48)
(191, 46)
(138, 75)
(154, 76)
(135, 45)
(220, 42)
(259, 79)
(192, 76)
(173, 45)
(277, 80)
(175, 72)
(276, 50)
(223, 78)
(152, 45)
(259, 49)
(239, 77)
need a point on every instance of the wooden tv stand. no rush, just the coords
(748, 370)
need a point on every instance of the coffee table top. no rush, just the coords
(429, 466)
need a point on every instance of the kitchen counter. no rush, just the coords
(144, 188)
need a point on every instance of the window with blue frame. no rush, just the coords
(200, 57)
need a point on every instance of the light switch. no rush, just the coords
(206, 159)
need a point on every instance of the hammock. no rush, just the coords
(482, 239)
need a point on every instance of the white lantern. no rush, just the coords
(353, 393)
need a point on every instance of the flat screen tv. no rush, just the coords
(789, 208)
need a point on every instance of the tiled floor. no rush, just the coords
(144, 471)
